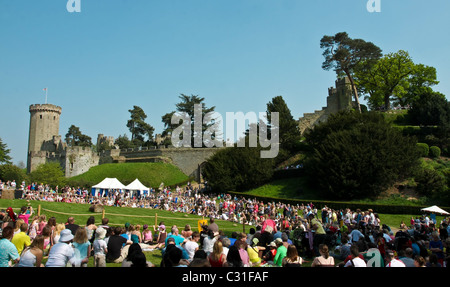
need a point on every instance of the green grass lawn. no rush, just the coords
(149, 174)
(294, 188)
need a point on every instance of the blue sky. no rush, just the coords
(237, 54)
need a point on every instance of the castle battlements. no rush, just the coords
(45, 108)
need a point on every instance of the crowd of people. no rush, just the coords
(280, 234)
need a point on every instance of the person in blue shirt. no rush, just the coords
(433, 217)
(175, 235)
(355, 235)
(415, 247)
(8, 250)
(437, 247)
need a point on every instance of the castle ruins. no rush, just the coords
(46, 145)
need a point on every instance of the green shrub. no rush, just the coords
(237, 169)
(12, 172)
(430, 182)
(424, 149)
(358, 155)
(435, 152)
(49, 173)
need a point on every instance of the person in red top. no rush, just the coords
(381, 244)
(285, 224)
(270, 254)
(217, 258)
(354, 250)
(268, 229)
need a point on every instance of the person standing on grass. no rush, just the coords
(319, 233)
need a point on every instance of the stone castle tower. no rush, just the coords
(45, 144)
(44, 139)
(339, 98)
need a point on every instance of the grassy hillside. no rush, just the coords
(150, 174)
(295, 188)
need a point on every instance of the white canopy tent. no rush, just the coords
(106, 185)
(435, 209)
(137, 186)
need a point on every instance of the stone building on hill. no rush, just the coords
(339, 98)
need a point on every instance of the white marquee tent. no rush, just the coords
(137, 186)
(435, 209)
(106, 185)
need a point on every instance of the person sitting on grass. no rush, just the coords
(116, 250)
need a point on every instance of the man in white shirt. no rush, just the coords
(356, 261)
(62, 252)
(191, 246)
(391, 261)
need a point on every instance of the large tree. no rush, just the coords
(12, 172)
(123, 142)
(49, 173)
(75, 137)
(430, 109)
(238, 169)
(394, 77)
(187, 106)
(343, 54)
(420, 82)
(138, 127)
(289, 133)
(4, 153)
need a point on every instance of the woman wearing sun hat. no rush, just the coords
(62, 252)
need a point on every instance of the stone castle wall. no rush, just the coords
(339, 98)
(187, 159)
(79, 160)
